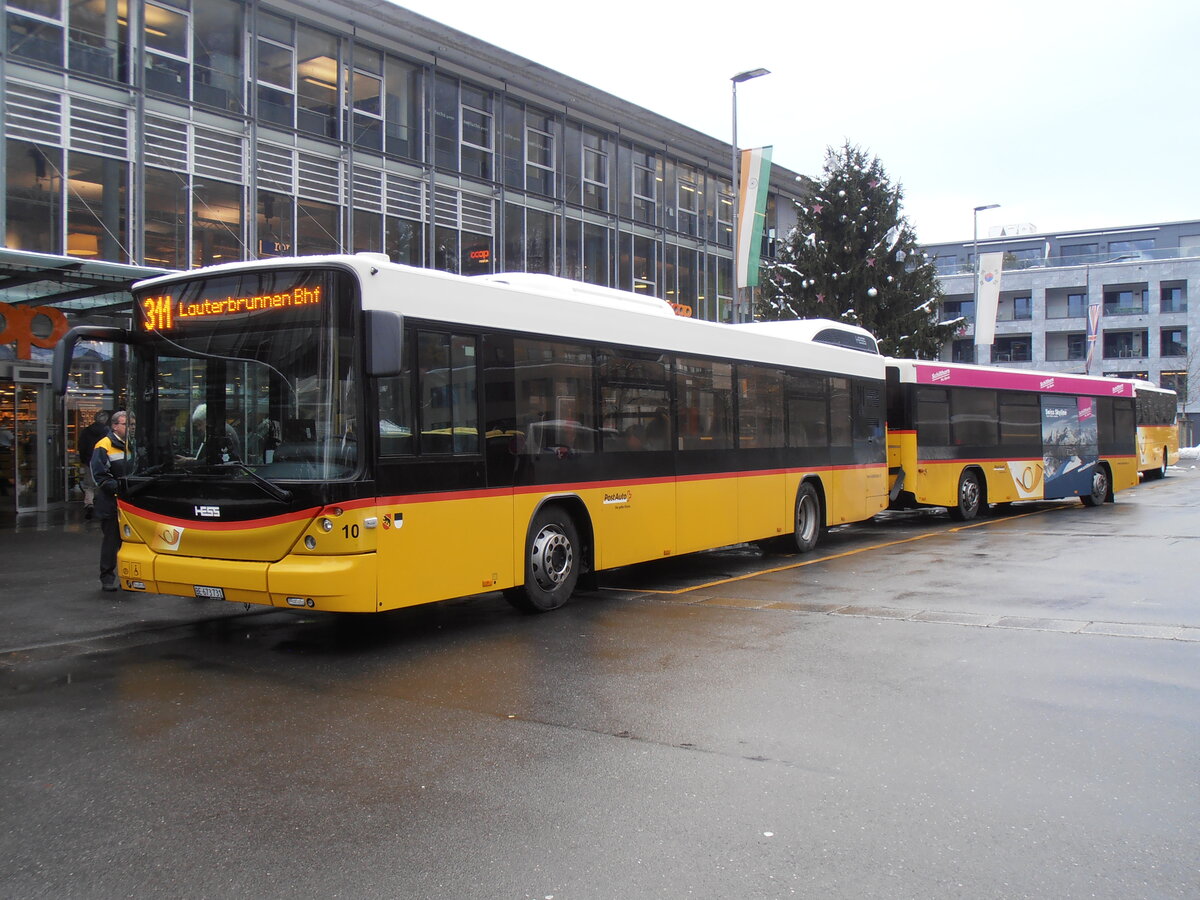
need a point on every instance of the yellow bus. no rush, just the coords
(1157, 429)
(965, 437)
(343, 433)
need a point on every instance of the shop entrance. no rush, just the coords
(40, 431)
(33, 471)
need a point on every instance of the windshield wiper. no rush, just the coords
(274, 490)
(140, 481)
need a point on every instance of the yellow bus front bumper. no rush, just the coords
(331, 583)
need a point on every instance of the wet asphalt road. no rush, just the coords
(1006, 709)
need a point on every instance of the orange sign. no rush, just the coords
(31, 326)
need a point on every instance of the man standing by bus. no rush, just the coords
(111, 460)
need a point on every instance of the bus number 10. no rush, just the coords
(350, 531)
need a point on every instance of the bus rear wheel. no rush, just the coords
(809, 521)
(970, 498)
(1099, 488)
(552, 560)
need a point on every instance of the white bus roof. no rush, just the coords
(559, 307)
(1139, 385)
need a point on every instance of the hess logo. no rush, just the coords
(208, 512)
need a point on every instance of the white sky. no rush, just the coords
(1071, 114)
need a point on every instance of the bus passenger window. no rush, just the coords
(446, 386)
(840, 428)
(1020, 420)
(760, 407)
(395, 415)
(634, 400)
(554, 397)
(973, 418)
(808, 413)
(933, 418)
(1123, 436)
(704, 391)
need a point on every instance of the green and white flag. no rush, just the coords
(752, 212)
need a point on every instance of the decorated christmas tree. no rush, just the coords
(853, 257)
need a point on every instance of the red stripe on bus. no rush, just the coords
(204, 525)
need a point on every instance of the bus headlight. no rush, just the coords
(326, 525)
(310, 542)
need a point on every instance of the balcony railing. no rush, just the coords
(1056, 262)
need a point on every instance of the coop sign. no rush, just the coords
(164, 312)
(29, 327)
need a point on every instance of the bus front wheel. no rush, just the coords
(552, 560)
(1099, 488)
(970, 498)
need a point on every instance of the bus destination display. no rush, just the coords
(165, 312)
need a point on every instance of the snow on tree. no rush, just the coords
(853, 257)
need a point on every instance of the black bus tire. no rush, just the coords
(970, 498)
(809, 519)
(552, 561)
(1100, 486)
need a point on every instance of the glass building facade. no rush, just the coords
(148, 135)
(180, 133)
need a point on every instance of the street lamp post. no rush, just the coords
(736, 80)
(975, 248)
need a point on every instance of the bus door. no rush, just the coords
(1070, 445)
(870, 443)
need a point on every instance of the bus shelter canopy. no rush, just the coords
(72, 285)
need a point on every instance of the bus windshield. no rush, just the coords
(249, 370)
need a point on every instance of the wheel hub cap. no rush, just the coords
(552, 558)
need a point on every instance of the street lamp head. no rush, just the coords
(989, 206)
(748, 74)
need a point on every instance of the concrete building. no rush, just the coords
(149, 135)
(1141, 278)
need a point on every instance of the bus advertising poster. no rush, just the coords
(1070, 443)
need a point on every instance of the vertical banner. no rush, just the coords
(987, 297)
(1093, 333)
(752, 212)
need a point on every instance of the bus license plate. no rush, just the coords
(209, 593)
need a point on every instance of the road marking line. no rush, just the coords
(810, 562)
(1183, 633)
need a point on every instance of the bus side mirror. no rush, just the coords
(64, 350)
(385, 331)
